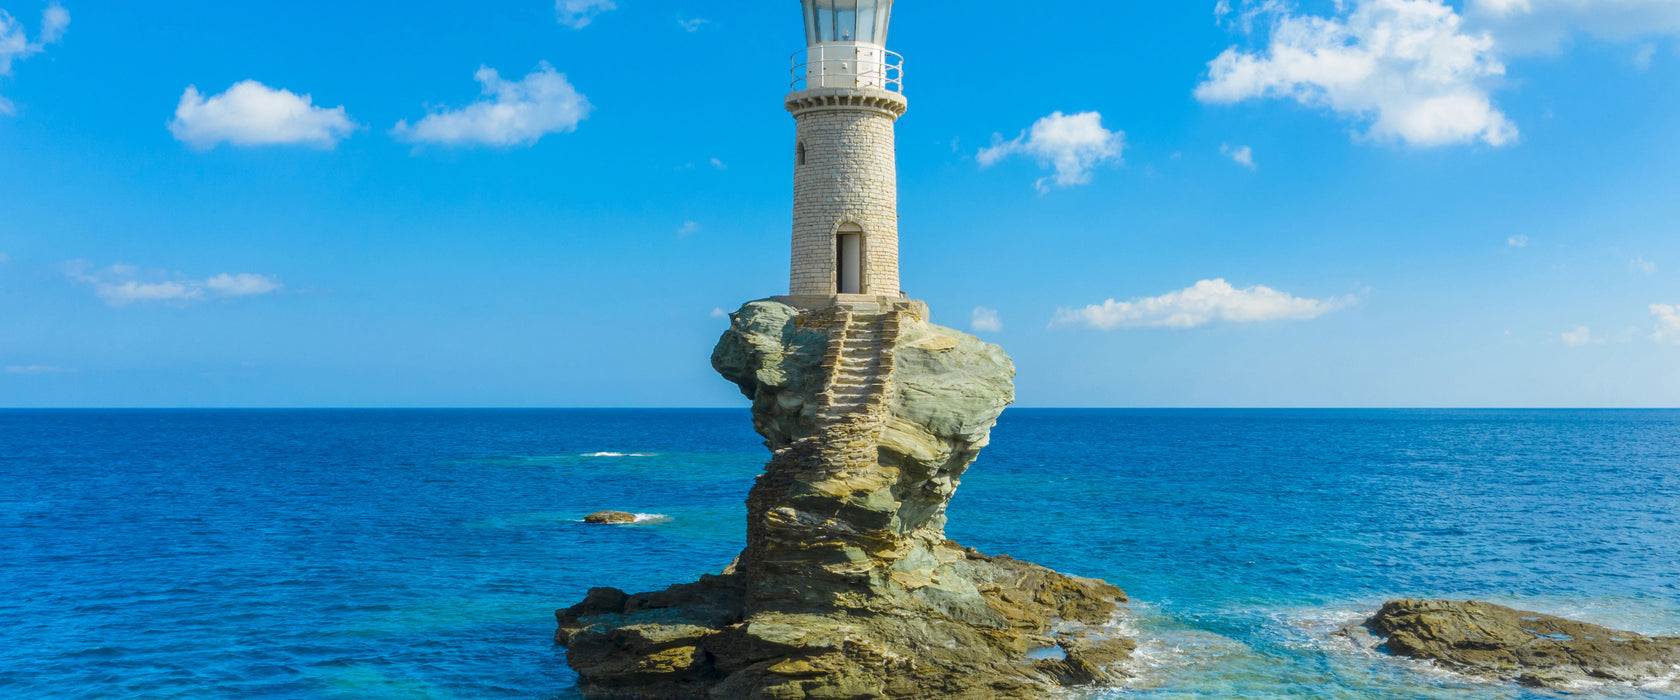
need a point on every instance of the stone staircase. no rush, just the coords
(859, 363)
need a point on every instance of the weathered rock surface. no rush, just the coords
(1492, 641)
(609, 517)
(847, 587)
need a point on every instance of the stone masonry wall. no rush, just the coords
(850, 175)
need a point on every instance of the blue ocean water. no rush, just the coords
(420, 554)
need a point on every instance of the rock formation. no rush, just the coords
(1490, 641)
(609, 517)
(847, 587)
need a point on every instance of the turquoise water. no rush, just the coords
(420, 554)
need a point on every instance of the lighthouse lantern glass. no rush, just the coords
(847, 20)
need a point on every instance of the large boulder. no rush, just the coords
(848, 587)
(1492, 641)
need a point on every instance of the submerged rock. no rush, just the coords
(609, 517)
(847, 587)
(1492, 641)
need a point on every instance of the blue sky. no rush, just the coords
(1368, 203)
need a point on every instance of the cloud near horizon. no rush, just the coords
(1406, 68)
(16, 46)
(1205, 303)
(986, 321)
(578, 14)
(124, 285)
(253, 114)
(1668, 323)
(1071, 144)
(37, 369)
(511, 113)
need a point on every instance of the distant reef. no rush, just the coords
(1496, 642)
(848, 587)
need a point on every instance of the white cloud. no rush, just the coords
(693, 25)
(986, 321)
(719, 313)
(1642, 266)
(577, 14)
(253, 114)
(1582, 335)
(511, 113)
(1243, 155)
(16, 46)
(1408, 68)
(241, 285)
(1546, 26)
(36, 369)
(1518, 241)
(1668, 323)
(124, 285)
(716, 163)
(688, 228)
(1072, 144)
(1209, 301)
(1643, 57)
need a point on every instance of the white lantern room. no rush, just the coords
(846, 47)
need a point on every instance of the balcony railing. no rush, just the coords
(848, 66)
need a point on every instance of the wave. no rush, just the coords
(619, 454)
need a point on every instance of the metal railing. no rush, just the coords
(848, 66)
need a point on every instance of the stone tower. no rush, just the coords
(847, 94)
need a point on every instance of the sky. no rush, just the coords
(524, 203)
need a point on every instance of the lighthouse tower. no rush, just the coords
(848, 91)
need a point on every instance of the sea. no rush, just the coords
(420, 554)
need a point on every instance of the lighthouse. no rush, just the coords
(847, 94)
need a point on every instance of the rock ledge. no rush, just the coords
(848, 588)
(1496, 642)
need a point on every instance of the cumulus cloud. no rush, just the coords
(577, 14)
(1407, 68)
(1072, 144)
(986, 321)
(719, 164)
(511, 113)
(1517, 241)
(1668, 323)
(1642, 266)
(253, 114)
(1546, 26)
(688, 228)
(719, 313)
(1208, 302)
(16, 46)
(1582, 335)
(1243, 155)
(693, 25)
(125, 285)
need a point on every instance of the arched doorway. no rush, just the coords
(849, 259)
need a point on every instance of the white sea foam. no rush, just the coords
(618, 454)
(650, 519)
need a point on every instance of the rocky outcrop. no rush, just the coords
(609, 517)
(1491, 641)
(847, 587)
